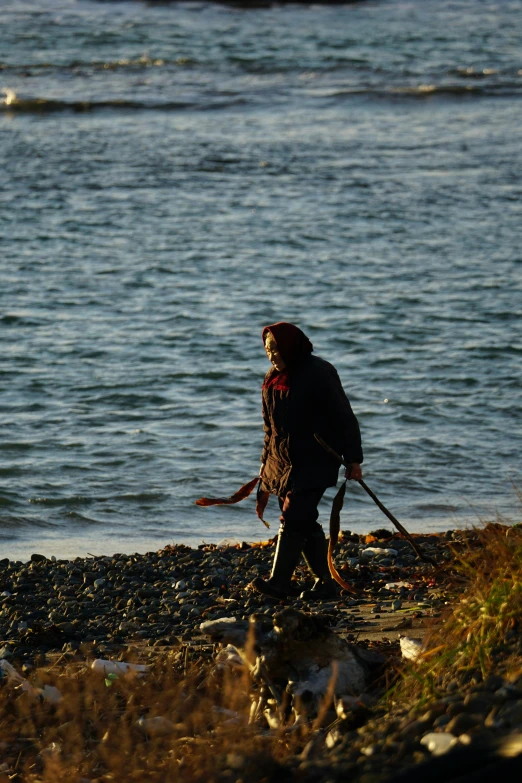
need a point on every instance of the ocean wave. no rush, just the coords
(424, 91)
(140, 497)
(14, 104)
(75, 500)
(74, 518)
(14, 522)
(136, 63)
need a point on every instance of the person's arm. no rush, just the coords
(268, 431)
(343, 420)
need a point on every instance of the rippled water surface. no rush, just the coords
(176, 176)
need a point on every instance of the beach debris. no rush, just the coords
(51, 751)
(156, 727)
(106, 667)
(48, 693)
(228, 658)
(375, 551)
(295, 653)
(411, 649)
(398, 586)
(438, 743)
(406, 622)
(8, 671)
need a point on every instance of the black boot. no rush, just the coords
(286, 558)
(315, 553)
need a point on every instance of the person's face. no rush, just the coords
(272, 352)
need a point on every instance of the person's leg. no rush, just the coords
(315, 552)
(298, 522)
(299, 512)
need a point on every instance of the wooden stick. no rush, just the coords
(400, 528)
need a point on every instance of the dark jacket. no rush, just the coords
(314, 402)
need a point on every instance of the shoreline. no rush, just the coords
(57, 617)
(113, 600)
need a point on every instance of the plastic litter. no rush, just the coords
(54, 749)
(215, 624)
(397, 585)
(106, 667)
(346, 705)
(226, 542)
(438, 743)
(374, 551)
(411, 649)
(110, 679)
(8, 671)
(48, 692)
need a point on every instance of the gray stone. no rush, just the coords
(463, 722)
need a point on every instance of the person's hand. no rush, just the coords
(353, 471)
(261, 470)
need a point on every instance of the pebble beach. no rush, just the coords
(162, 597)
(58, 616)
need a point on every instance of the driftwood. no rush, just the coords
(296, 655)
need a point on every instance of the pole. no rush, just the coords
(400, 528)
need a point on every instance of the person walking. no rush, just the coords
(302, 395)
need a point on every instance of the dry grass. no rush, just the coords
(93, 732)
(480, 633)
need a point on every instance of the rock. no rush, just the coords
(480, 702)
(156, 727)
(371, 551)
(463, 722)
(439, 743)
(411, 649)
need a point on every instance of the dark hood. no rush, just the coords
(293, 344)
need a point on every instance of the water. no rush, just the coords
(176, 176)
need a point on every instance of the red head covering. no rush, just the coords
(293, 345)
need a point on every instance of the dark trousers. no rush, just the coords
(299, 512)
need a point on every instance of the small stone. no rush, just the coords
(36, 558)
(441, 721)
(463, 722)
(480, 702)
(455, 708)
(493, 682)
(512, 713)
(439, 743)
